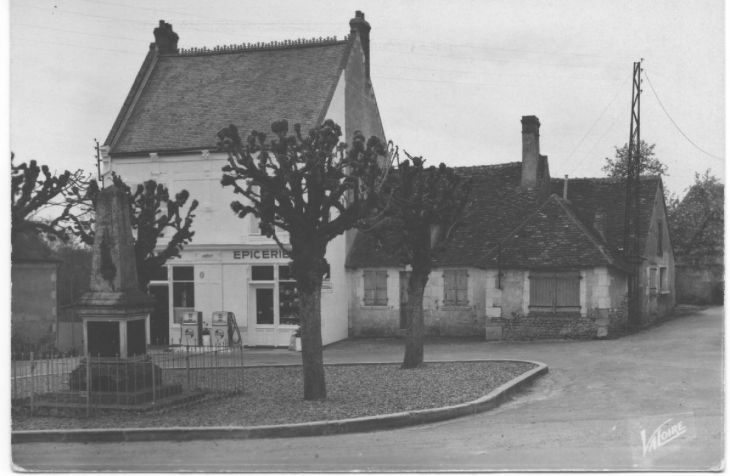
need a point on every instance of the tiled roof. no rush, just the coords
(588, 194)
(552, 237)
(496, 205)
(29, 246)
(188, 98)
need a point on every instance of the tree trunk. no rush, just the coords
(311, 330)
(308, 266)
(415, 329)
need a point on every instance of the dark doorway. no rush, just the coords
(404, 277)
(160, 318)
(264, 306)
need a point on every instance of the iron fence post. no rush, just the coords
(32, 384)
(88, 385)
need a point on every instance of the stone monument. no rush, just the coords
(115, 313)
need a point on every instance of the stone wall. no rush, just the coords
(700, 281)
(508, 316)
(384, 321)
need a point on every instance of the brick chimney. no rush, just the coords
(530, 151)
(166, 39)
(360, 26)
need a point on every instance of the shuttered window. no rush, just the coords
(455, 287)
(555, 291)
(376, 288)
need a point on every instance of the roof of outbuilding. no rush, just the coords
(29, 247)
(552, 233)
(554, 236)
(589, 194)
(198, 94)
(496, 205)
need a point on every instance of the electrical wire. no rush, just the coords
(594, 124)
(471, 84)
(377, 40)
(675, 124)
(76, 46)
(78, 32)
(596, 144)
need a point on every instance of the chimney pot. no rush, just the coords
(166, 39)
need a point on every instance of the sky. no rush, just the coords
(452, 78)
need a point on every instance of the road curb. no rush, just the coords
(317, 428)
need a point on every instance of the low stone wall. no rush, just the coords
(538, 327)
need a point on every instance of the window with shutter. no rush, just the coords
(376, 288)
(555, 291)
(456, 287)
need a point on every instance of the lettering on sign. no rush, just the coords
(260, 254)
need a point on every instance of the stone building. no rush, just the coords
(34, 306)
(166, 131)
(537, 258)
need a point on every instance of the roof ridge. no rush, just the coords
(262, 46)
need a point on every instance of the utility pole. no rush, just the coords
(632, 215)
(98, 164)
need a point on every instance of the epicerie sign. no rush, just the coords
(260, 254)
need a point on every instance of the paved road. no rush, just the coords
(586, 414)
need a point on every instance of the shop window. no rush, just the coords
(555, 291)
(455, 287)
(664, 279)
(262, 273)
(376, 288)
(183, 291)
(288, 298)
(159, 274)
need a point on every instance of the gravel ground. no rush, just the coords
(273, 396)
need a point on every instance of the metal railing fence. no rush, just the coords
(59, 384)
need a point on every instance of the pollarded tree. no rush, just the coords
(35, 189)
(420, 208)
(153, 213)
(307, 186)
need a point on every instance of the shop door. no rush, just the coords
(404, 277)
(265, 316)
(160, 317)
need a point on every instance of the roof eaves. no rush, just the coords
(139, 82)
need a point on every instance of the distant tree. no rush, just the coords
(35, 189)
(650, 165)
(153, 213)
(308, 187)
(697, 223)
(423, 205)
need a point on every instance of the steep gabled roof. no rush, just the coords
(496, 205)
(589, 194)
(552, 237)
(180, 101)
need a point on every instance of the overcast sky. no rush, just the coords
(452, 78)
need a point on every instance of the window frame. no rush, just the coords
(456, 288)
(663, 284)
(379, 279)
(552, 295)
